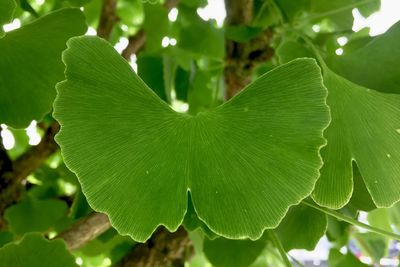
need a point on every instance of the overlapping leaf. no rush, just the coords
(365, 129)
(30, 65)
(41, 215)
(34, 250)
(244, 162)
(302, 228)
(223, 252)
(374, 65)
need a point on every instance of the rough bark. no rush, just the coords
(162, 249)
(85, 230)
(241, 58)
(13, 174)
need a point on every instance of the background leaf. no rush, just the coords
(30, 65)
(34, 250)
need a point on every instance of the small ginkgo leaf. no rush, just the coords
(34, 251)
(365, 128)
(7, 8)
(302, 228)
(30, 65)
(41, 214)
(244, 162)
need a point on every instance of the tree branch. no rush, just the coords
(11, 180)
(85, 230)
(108, 18)
(5, 161)
(162, 249)
(137, 41)
(241, 58)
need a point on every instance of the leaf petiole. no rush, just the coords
(352, 221)
(278, 245)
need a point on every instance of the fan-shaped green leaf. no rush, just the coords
(302, 228)
(30, 65)
(337, 259)
(245, 162)
(223, 252)
(374, 65)
(365, 128)
(7, 8)
(41, 215)
(34, 251)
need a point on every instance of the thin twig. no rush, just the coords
(137, 41)
(108, 18)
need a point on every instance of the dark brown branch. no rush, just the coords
(136, 42)
(5, 161)
(241, 58)
(162, 249)
(11, 180)
(36, 155)
(85, 230)
(108, 18)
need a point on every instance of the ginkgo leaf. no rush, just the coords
(41, 214)
(34, 250)
(364, 128)
(301, 228)
(223, 252)
(30, 65)
(7, 8)
(244, 162)
(373, 65)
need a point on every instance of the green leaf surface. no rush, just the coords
(337, 259)
(156, 25)
(372, 244)
(223, 252)
(337, 232)
(7, 8)
(244, 162)
(364, 129)
(339, 12)
(192, 222)
(30, 65)
(289, 50)
(302, 228)
(151, 71)
(41, 215)
(34, 251)
(360, 199)
(373, 65)
(6, 237)
(199, 37)
(242, 33)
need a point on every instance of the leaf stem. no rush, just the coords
(278, 245)
(352, 221)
